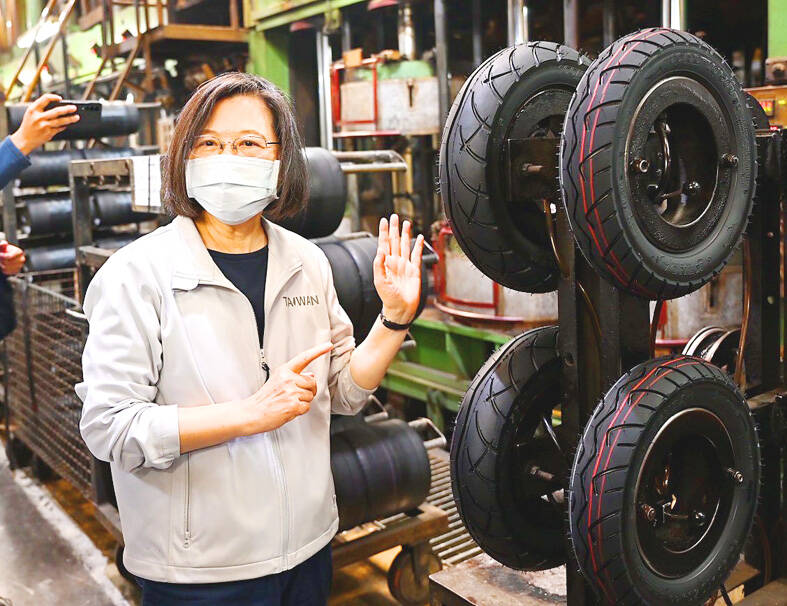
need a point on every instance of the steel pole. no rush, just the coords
(571, 23)
(517, 27)
(608, 18)
(477, 41)
(324, 89)
(441, 51)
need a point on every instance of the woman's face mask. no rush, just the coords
(232, 188)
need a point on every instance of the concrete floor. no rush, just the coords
(39, 566)
(61, 577)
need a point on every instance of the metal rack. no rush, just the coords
(604, 332)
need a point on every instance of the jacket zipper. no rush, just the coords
(187, 509)
(286, 510)
(274, 435)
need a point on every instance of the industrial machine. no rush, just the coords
(659, 165)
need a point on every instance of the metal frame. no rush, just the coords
(604, 332)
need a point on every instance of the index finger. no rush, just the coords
(44, 100)
(303, 359)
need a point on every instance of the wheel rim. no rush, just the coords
(540, 463)
(539, 117)
(684, 493)
(681, 156)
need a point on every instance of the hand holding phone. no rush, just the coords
(44, 119)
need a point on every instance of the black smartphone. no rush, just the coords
(89, 119)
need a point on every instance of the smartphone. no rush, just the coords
(89, 119)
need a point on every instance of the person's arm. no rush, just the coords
(357, 371)
(285, 395)
(38, 127)
(12, 161)
(397, 278)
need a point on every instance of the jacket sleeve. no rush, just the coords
(120, 421)
(347, 397)
(12, 161)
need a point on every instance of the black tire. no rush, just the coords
(659, 237)
(508, 510)
(758, 115)
(656, 418)
(507, 240)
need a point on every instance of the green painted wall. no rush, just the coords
(268, 56)
(777, 28)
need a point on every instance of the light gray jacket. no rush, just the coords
(167, 329)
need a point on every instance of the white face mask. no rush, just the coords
(232, 188)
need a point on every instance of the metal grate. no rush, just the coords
(456, 545)
(43, 363)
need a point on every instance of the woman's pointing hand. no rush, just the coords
(286, 394)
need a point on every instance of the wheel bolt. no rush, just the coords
(698, 517)
(640, 165)
(729, 160)
(648, 512)
(692, 188)
(735, 475)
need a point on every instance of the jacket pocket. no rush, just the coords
(187, 505)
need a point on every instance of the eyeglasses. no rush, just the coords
(252, 146)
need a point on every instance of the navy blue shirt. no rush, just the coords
(12, 161)
(247, 272)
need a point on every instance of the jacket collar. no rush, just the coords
(194, 265)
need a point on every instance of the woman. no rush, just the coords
(218, 350)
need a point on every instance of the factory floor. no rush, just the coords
(40, 564)
(54, 551)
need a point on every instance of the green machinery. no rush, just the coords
(439, 367)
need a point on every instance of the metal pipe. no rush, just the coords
(61, 23)
(654, 326)
(441, 53)
(517, 26)
(66, 77)
(673, 14)
(477, 39)
(346, 33)
(406, 31)
(571, 23)
(381, 155)
(44, 15)
(747, 287)
(324, 89)
(608, 22)
(374, 167)
(37, 59)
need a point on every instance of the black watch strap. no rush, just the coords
(393, 325)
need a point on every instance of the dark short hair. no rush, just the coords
(293, 178)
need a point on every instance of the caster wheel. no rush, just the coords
(407, 587)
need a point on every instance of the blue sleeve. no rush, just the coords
(12, 161)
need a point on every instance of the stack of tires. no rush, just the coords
(657, 169)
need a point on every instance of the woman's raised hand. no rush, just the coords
(397, 270)
(286, 394)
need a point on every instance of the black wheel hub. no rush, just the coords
(681, 159)
(684, 493)
(539, 117)
(540, 463)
